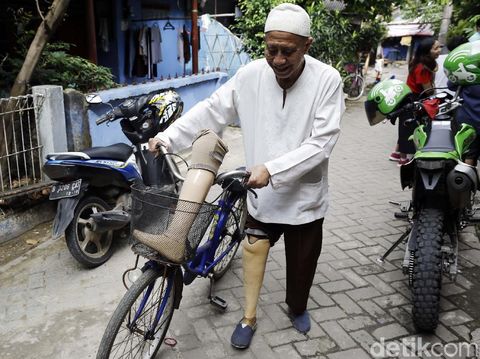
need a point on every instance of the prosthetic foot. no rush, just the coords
(208, 151)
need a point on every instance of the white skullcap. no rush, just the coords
(289, 18)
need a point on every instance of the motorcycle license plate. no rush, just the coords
(64, 190)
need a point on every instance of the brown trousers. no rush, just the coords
(303, 245)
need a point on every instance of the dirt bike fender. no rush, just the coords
(63, 217)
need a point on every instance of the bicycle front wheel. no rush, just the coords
(130, 332)
(233, 233)
(353, 86)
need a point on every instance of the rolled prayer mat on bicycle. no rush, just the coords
(208, 151)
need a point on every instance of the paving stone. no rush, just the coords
(325, 314)
(379, 284)
(340, 336)
(326, 270)
(369, 269)
(393, 300)
(312, 347)
(203, 330)
(320, 297)
(277, 315)
(286, 351)
(363, 293)
(390, 331)
(334, 251)
(284, 336)
(261, 349)
(451, 289)
(358, 257)
(462, 330)
(344, 263)
(356, 323)
(356, 353)
(364, 339)
(347, 245)
(315, 330)
(337, 286)
(347, 304)
(392, 276)
(446, 335)
(353, 278)
(454, 317)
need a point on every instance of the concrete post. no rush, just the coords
(76, 121)
(51, 118)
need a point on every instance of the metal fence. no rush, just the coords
(20, 145)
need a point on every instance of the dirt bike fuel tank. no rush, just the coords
(461, 182)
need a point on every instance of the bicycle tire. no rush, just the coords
(121, 317)
(353, 87)
(233, 231)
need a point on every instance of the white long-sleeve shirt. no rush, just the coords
(293, 139)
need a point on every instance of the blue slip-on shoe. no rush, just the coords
(301, 322)
(243, 334)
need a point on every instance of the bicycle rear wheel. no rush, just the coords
(233, 232)
(127, 337)
(353, 86)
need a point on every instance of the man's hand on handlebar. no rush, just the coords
(259, 177)
(154, 145)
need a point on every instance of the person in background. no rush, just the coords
(421, 80)
(440, 77)
(378, 68)
(476, 35)
(469, 112)
(289, 106)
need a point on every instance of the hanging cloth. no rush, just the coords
(186, 45)
(156, 44)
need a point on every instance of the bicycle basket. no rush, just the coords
(176, 226)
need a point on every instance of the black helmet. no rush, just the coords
(149, 115)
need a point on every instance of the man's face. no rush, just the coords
(284, 52)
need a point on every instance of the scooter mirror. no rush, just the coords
(93, 98)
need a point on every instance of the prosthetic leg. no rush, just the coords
(208, 151)
(255, 253)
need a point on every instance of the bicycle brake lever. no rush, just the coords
(254, 193)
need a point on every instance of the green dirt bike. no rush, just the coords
(443, 187)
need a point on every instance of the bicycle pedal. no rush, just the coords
(401, 215)
(219, 302)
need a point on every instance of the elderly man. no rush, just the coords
(289, 105)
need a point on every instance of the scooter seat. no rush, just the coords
(118, 151)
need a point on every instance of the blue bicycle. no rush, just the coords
(139, 324)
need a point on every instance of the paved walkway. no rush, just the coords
(52, 308)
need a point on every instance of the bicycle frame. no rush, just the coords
(202, 264)
(205, 260)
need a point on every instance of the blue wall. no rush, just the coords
(192, 89)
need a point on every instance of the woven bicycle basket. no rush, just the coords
(161, 216)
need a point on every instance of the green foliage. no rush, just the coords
(55, 67)
(465, 10)
(427, 12)
(465, 27)
(336, 39)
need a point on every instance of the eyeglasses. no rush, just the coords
(272, 51)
